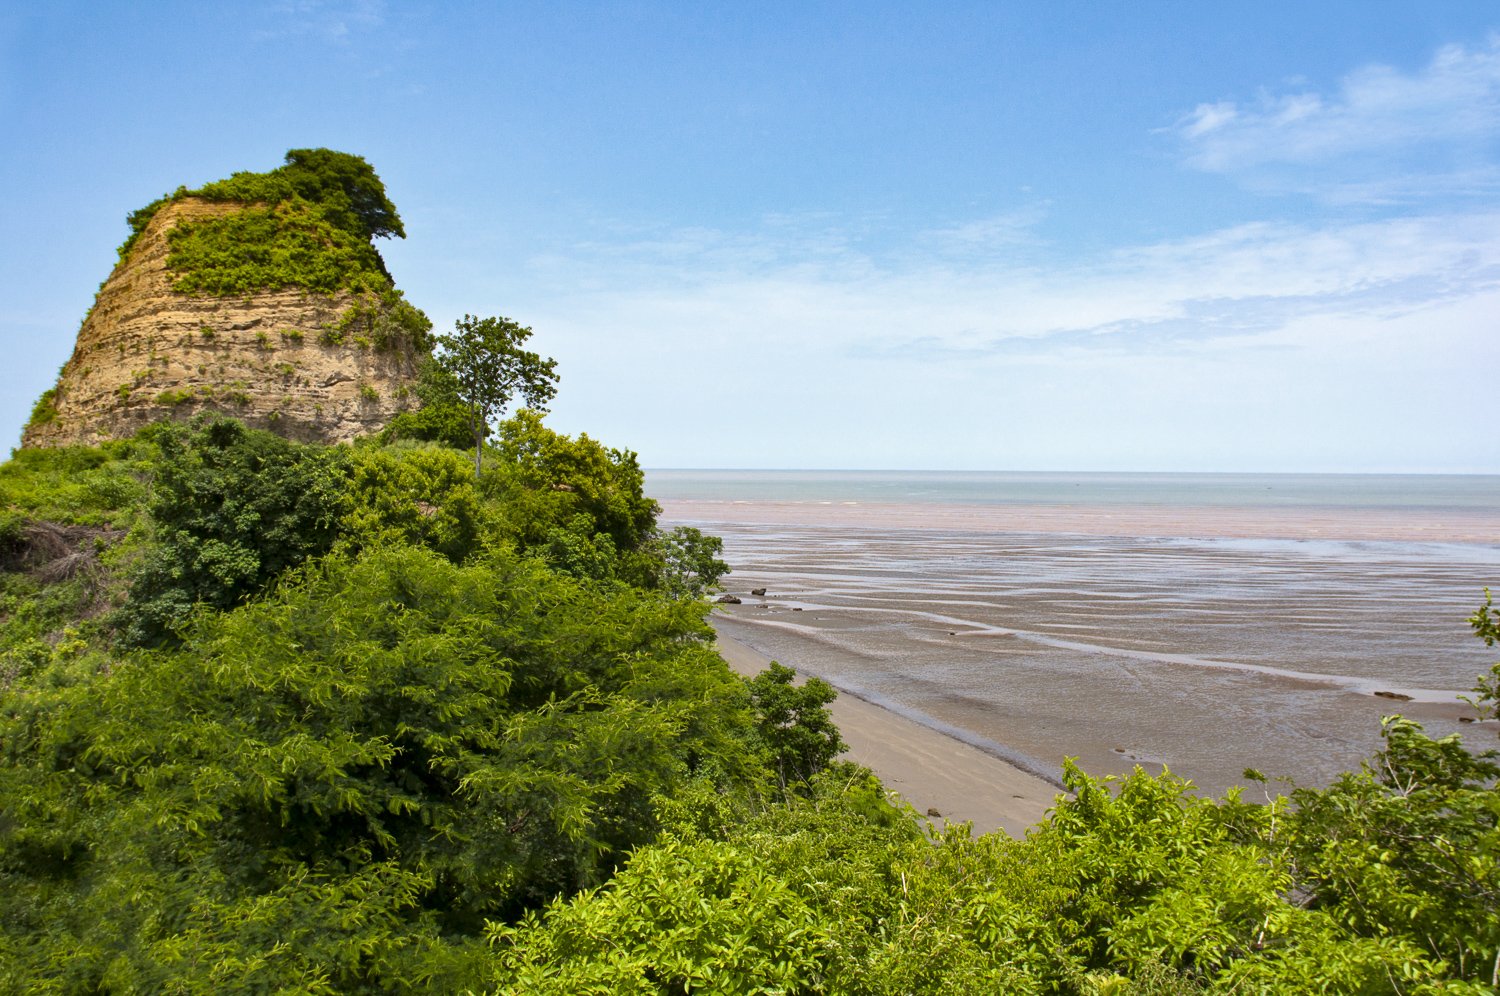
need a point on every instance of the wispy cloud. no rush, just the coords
(1383, 136)
(332, 20)
(1344, 346)
(1229, 284)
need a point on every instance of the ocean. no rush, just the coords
(1206, 622)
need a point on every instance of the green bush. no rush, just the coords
(352, 196)
(342, 782)
(794, 725)
(423, 733)
(413, 495)
(289, 244)
(45, 409)
(232, 509)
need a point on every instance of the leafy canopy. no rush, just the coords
(233, 509)
(489, 366)
(309, 223)
(343, 185)
(430, 733)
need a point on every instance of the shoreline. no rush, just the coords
(1412, 525)
(930, 769)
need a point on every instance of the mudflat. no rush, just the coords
(1441, 525)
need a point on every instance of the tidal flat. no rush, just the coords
(1207, 636)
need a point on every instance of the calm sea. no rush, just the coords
(1457, 492)
(1206, 622)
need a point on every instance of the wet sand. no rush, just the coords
(1269, 643)
(934, 772)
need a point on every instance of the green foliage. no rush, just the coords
(382, 319)
(308, 224)
(1408, 850)
(681, 918)
(427, 733)
(288, 244)
(45, 409)
(339, 784)
(442, 417)
(784, 902)
(352, 195)
(488, 366)
(1486, 625)
(424, 496)
(548, 480)
(175, 397)
(141, 217)
(98, 486)
(794, 724)
(349, 194)
(233, 508)
(690, 564)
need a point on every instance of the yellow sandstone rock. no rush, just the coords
(271, 359)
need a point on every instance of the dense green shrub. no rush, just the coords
(442, 417)
(386, 752)
(350, 195)
(413, 494)
(346, 185)
(288, 244)
(45, 409)
(425, 733)
(232, 509)
(794, 724)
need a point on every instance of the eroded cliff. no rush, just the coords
(315, 364)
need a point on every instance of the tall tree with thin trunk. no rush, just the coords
(486, 358)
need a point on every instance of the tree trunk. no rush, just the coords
(478, 441)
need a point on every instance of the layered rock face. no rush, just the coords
(288, 360)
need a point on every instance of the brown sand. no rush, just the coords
(932, 771)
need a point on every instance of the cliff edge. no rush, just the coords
(260, 297)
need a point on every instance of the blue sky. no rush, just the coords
(1063, 236)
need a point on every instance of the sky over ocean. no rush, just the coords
(970, 236)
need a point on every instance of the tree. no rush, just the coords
(794, 723)
(232, 509)
(485, 357)
(690, 564)
(348, 186)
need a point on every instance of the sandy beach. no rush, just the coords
(932, 771)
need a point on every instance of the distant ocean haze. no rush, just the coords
(1209, 622)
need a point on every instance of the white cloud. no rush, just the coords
(1282, 337)
(1384, 135)
(771, 290)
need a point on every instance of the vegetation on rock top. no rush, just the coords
(308, 224)
(344, 186)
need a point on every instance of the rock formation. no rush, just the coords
(306, 364)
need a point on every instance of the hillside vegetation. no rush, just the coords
(285, 718)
